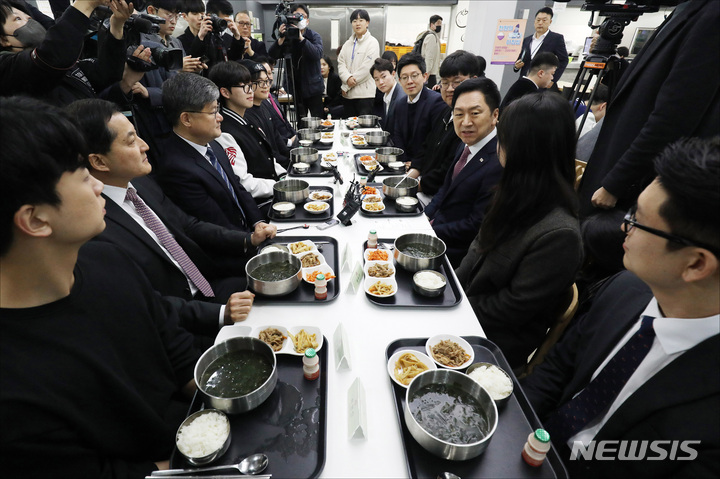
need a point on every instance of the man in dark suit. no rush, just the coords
(670, 90)
(542, 69)
(193, 169)
(389, 95)
(665, 309)
(542, 41)
(414, 116)
(118, 158)
(254, 48)
(457, 210)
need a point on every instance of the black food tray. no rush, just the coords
(305, 293)
(385, 171)
(390, 211)
(319, 145)
(315, 170)
(516, 420)
(290, 427)
(407, 297)
(303, 216)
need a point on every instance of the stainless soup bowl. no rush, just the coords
(388, 154)
(436, 446)
(377, 138)
(408, 186)
(309, 134)
(236, 405)
(294, 191)
(367, 121)
(413, 264)
(311, 122)
(304, 154)
(273, 288)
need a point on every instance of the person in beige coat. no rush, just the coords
(430, 49)
(354, 62)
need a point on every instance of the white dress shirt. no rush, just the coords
(417, 97)
(387, 97)
(673, 336)
(536, 43)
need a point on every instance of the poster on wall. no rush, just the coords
(508, 41)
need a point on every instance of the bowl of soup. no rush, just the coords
(418, 251)
(236, 375)
(274, 274)
(449, 414)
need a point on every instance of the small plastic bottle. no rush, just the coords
(363, 183)
(320, 287)
(372, 241)
(311, 365)
(536, 447)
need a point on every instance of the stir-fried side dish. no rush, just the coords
(407, 367)
(377, 255)
(381, 289)
(274, 337)
(299, 247)
(317, 207)
(309, 260)
(374, 206)
(381, 270)
(372, 199)
(369, 190)
(303, 341)
(448, 353)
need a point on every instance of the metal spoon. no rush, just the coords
(447, 475)
(293, 228)
(254, 464)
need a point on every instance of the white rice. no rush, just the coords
(494, 380)
(204, 435)
(283, 206)
(405, 200)
(429, 280)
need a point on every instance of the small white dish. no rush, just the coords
(370, 281)
(370, 250)
(321, 258)
(311, 246)
(394, 359)
(320, 195)
(232, 331)
(371, 198)
(369, 264)
(283, 330)
(316, 207)
(323, 268)
(373, 207)
(456, 339)
(290, 346)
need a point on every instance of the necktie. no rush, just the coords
(461, 162)
(167, 240)
(216, 164)
(572, 417)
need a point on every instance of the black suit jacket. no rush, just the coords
(519, 89)
(280, 122)
(457, 210)
(262, 118)
(254, 144)
(189, 179)
(680, 402)
(387, 120)
(670, 90)
(439, 152)
(555, 43)
(194, 236)
(413, 123)
(258, 47)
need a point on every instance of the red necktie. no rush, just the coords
(461, 162)
(272, 102)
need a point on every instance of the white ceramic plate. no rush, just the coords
(308, 329)
(369, 198)
(391, 281)
(394, 359)
(320, 195)
(370, 250)
(323, 268)
(320, 257)
(368, 264)
(307, 242)
(456, 339)
(318, 204)
(232, 331)
(367, 207)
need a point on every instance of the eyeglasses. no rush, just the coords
(244, 24)
(246, 88)
(167, 15)
(629, 222)
(214, 112)
(414, 77)
(263, 83)
(445, 84)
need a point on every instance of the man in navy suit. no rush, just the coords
(458, 208)
(389, 95)
(667, 400)
(542, 41)
(414, 117)
(193, 169)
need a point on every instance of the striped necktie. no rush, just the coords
(216, 164)
(167, 240)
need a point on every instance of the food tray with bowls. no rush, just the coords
(390, 210)
(322, 145)
(405, 296)
(516, 420)
(358, 142)
(305, 213)
(290, 427)
(316, 169)
(329, 253)
(363, 170)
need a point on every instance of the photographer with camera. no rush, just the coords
(45, 64)
(304, 48)
(220, 39)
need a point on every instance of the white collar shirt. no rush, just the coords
(536, 43)
(387, 98)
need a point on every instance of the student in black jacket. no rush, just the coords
(332, 95)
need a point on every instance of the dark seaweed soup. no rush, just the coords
(274, 271)
(288, 188)
(236, 373)
(419, 250)
(449, 413)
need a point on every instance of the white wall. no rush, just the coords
(403, 24)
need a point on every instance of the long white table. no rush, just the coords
(370, 328)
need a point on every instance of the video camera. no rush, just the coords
(168, 58)
(285, 16)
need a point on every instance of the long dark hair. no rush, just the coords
(537, 136)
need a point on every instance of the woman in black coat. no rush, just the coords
(332, 96)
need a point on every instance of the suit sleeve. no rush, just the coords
(312, 47)
(560, 51)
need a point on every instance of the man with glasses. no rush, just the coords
(660, 320)
(193, 168)
(168, 10)
(254, 48)
(414, 116)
